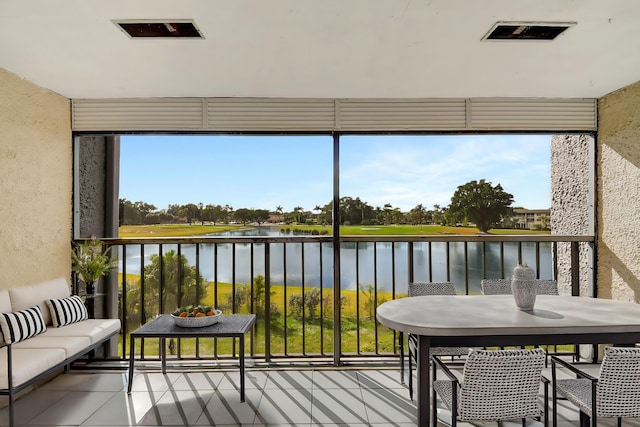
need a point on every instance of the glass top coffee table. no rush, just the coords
(163, 326)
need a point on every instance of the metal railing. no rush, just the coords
(288, 282)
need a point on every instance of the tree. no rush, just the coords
(481, 203)
(298, 211)
(243, 215)
(355, 211)
(418, 214)
(191, 211)
(179, 286)
(261, 215)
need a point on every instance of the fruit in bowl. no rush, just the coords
(194, 316)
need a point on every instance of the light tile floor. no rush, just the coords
(313, 397)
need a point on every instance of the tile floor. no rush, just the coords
(210, 398)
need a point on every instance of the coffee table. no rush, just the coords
(163, 327)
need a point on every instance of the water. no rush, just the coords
(362, 263)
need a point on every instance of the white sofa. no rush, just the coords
(23, 363)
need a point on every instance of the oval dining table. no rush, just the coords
(494, 320)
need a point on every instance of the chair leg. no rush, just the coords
(619, 422)
(554, 396)
(410, 378)
(434, 397)
(401, 344)
(584, 420)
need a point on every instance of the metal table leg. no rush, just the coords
(131, 359)
(241, 357)
(163, 355)
(424, 382)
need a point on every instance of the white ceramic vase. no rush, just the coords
(523, 287)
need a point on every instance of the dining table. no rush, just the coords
(495, 321)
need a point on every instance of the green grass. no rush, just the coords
(352, 316)
(182, 230)
(173, 230)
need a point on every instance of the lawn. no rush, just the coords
(173, 230)
(286, 337)
(181, 230)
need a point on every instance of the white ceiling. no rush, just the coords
(322, 48)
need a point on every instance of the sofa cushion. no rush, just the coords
(27, 364)
(65, 311)
(5, 301)
(24, 297)
(72, 346)
(95, 329)
(20, 325)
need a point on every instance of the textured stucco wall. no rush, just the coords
(572, 204)
(35, 183)
(618, 205)
(92, 167)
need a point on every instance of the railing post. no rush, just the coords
(267, 302)
(337, 316)
(575, 269)
(410, 261)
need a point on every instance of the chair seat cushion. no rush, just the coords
(95, 329)
(71, 345)
(28, 363)
(576, 391)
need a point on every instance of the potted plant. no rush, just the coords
(91, 261)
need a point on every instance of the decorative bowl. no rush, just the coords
(197, 322)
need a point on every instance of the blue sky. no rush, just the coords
(262, 172)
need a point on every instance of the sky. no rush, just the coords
(263, 172)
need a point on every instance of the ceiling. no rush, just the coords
(322, 48)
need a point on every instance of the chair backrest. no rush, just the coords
(618, 390)
(496, 286)
(547, 287)
(417, 289)
(503, 287)
(501, 384)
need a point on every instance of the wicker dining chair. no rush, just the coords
(503, 287)
(616, 391)
(496, 286)
(422, 289)
(496, 385)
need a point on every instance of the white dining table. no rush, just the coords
(494, 320)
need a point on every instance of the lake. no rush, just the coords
(362, 263)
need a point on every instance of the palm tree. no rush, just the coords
(298, 210)
(279, 211)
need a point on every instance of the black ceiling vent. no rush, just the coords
(527, 30)
(160, 29)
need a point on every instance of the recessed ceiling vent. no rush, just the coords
(168, 29)
(527, 30)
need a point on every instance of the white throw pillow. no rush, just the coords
(67, 310)
(20, 325)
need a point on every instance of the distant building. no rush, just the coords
(529, 219)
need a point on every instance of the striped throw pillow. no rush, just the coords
(20, 325)
(67, 310)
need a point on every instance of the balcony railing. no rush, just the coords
(305, 309)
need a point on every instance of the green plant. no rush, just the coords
(91, 261)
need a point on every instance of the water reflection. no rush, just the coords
(361, 263)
